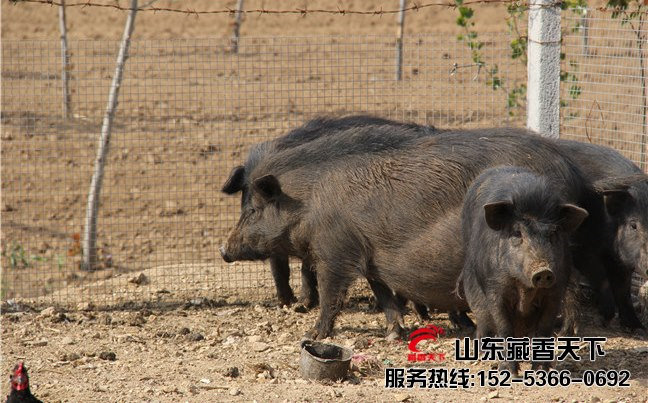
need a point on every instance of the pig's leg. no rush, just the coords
(592, 269)
(545, 325)
(309, 296)
(390, 305)
(281, 274)
(503, 327)
(333, 285)
(422, 312)
(571, 309)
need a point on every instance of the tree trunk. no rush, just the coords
(90, 231)
(237, 26)
(399, 40)
(64, 60)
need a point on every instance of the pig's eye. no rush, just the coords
(517, 234)
(633, 225)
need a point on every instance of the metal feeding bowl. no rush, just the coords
(320, 361)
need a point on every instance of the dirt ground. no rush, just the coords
(187, 116)
(229, 350)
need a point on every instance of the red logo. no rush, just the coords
(429, 332)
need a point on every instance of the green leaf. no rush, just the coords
(575, 91)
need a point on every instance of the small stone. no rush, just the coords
(361, 343)
(70, 357)
(254, 339)
(493, 395)
(234, 391)
(48, 311)
(67, 340)
(231, 372)
(260, 347)
(184, 331)
(401, 397)
(137, 320)
(108, 355)
(138, 279)
(284, 337)
(39, 343)
(197, 301)
(195, 337)
(85, 306)
(300, 308)
(595, 399)
(59, 317)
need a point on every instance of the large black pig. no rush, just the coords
(516, 229)
(315, 156)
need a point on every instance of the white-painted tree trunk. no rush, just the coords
(237, 26)
(543, 68)
(65, 57)
(399, 40)
(90, 231)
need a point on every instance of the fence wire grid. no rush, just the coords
(188, 112)
(604, 92)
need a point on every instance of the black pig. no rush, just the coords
(515, 226)
(317, 154)
(625, 190)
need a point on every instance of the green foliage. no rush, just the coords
(519, 44)
(470, 38)
(620, 9)
(515, 96)
(16, 256)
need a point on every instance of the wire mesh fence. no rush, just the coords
(604, 92)
(188, 112)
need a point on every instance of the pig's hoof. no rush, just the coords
(300, 308)
(310, 335)
(315, 334)
(393, 336)
(309, 302)
(287, 301)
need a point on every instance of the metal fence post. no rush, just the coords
(543, 68)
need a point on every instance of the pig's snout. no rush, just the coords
(543, 278)
(226, 256)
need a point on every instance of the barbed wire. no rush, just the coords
(304, 11)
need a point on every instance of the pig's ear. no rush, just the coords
(616, 201)
(498, 214)
(571, 217)
(267, 187)
(234, 183)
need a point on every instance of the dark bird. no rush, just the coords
(19, 381)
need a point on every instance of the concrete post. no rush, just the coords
(543, 68)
